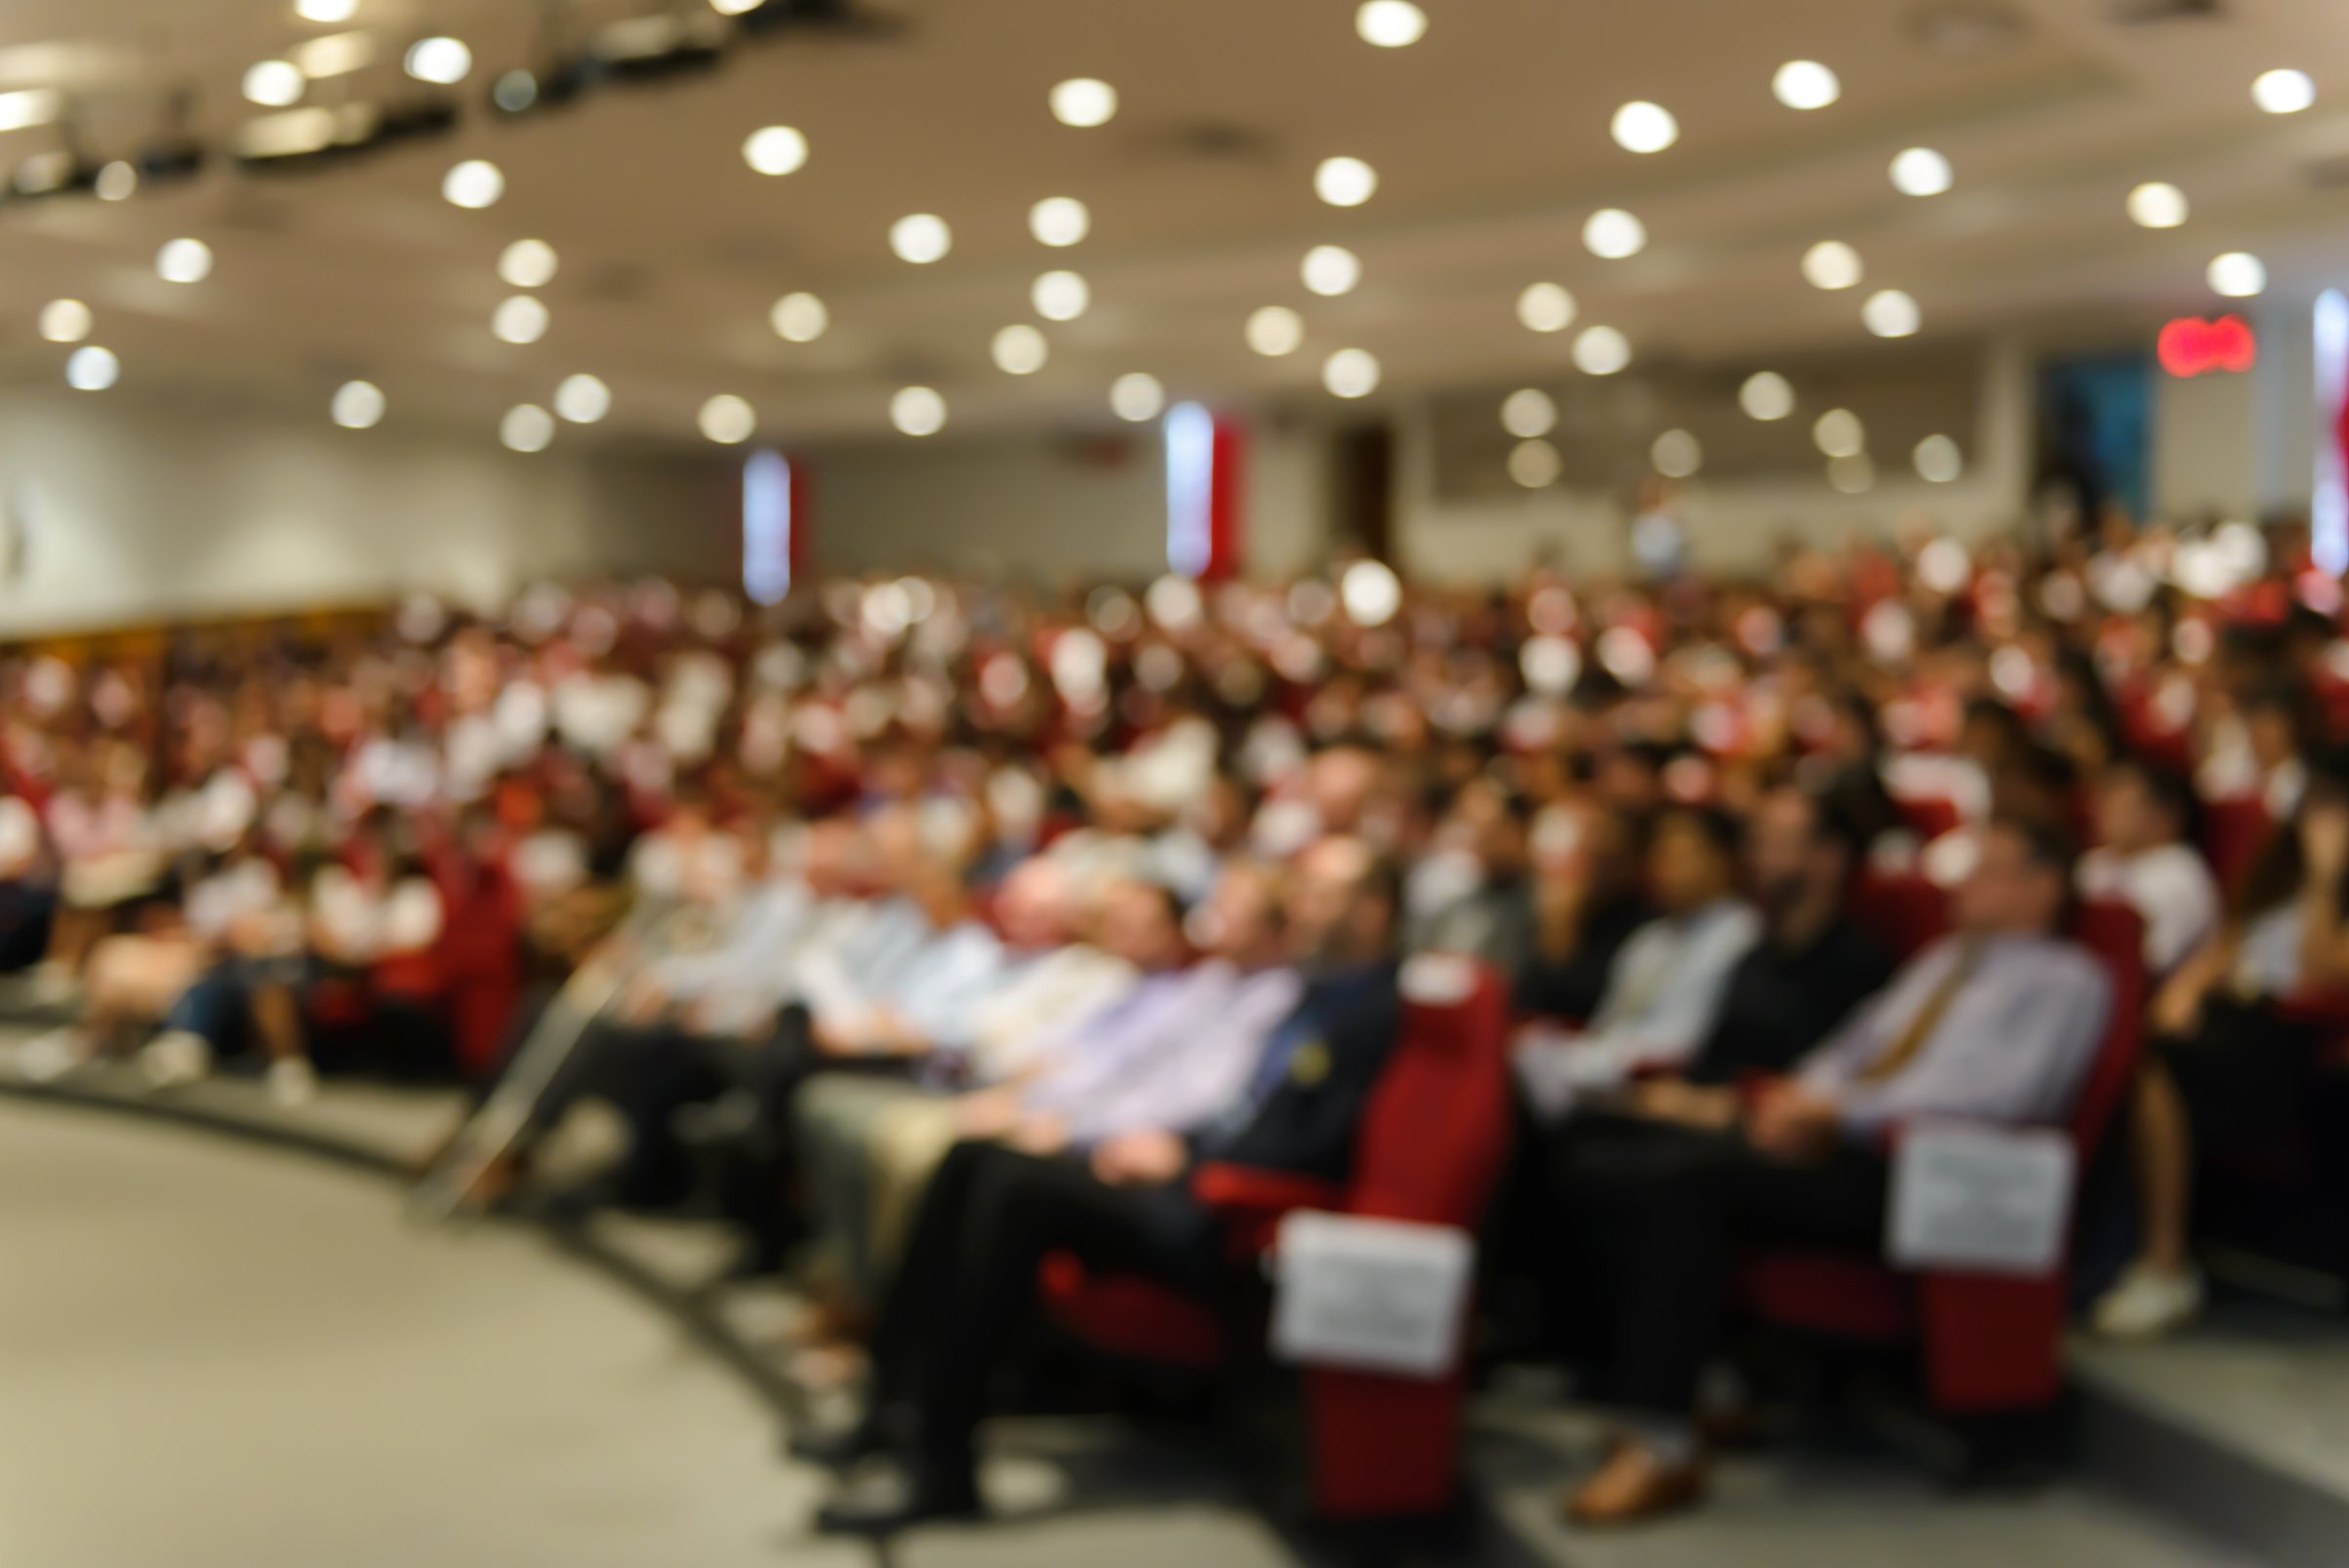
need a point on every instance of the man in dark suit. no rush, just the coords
(991, 1215)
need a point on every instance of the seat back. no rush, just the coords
(1905, 913)
(1435, 1131)
(2234, 831)
(2116, 933)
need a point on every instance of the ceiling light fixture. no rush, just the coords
(1545, 308)
(1275, 330)
(91, 369)
(183, 260)
(799, 318)
(917, 411)
(920, 238)
(1938, 460)
(1061, 295)
(1390, 23)
(1766, 395)
(520, 319)
(274, 83)
(1529, 413)
(728, 420)
(1331, 271)
(1891, 313)
(1060, 221)
(2156, 204)
(1137, 396)
(526, 427)
(328, 12)
(1351, 373)
(1535, 465)
(1611, 234)
(2284, 92)
(1020, 349)
(528, 263)
(1806, 84)
(358, 406)
(2238, 274)
(1832, 264)
(582, 399)
(475, 183)
(66, 321)
(775, 150)
(1601, 352)
(1676, 455)
(1922, 172)
(1084, 102)
(117, 180)
(441, 60)
(1643, 127)
(1344, 181)
(1839, 434)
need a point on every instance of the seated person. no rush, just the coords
(1487, 910)
(967, 1287)
(27, 886)
(1664, 990)
(1587, 899)
(1998, 1022)
(2226, 1069)
(2146, 819)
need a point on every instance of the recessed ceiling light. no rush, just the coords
(528, 263)
(1891, 313)
(1390, 23)
(1611, 233)
(520, 319)
(1331, 270)
(2284, 92)
(91, 369)
(329, 12)
(1084, 102)
(1020, 349)
(66, 321)
(28, 106)
(473, 183)
(1832, 264)
(917, 411)
(1061, 295)
(526, 427)
(441, 60)
(1600, 351)
(358, 406)
(1921, 172)
(1529, 413)
(1676, 455)
(1275, 330)
(2238, 274)
(1806, 84)
(338, 54)
(1351, 373)
(1060, 221)
(582, 399)
(183, 260)
(274, 83)
(775, 150)
(799, 318)
(1535, 465)
(118, 181)
(728, 420)
(1137, 396)
(1643, 127)
(1938, 460)
(1546, 308)
(1344, 181)
(1766, 395)
(2156, 204)
(1839, 434)
(920, 238)
(735, 8)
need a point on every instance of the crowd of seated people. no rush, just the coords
(991, 915)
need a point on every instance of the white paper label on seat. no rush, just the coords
(1372, 1295)
(1983, 1199)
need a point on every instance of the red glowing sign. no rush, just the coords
(2192, 347)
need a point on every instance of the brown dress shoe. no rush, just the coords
(1632, 1486)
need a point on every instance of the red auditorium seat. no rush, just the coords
(1430, 1149)
(1928, 817)
(478, 960)
(1989, 1343)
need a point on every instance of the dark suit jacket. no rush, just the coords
(1338, 1039)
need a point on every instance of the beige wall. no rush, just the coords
(132, 512)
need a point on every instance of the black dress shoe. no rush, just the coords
(847, 1447)
(921, 1495)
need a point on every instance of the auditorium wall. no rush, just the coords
(115, 513)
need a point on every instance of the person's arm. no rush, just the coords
(2178, 1007)
(1667, 1030)
(2324, 939)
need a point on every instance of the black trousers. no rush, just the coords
(966, 1289)
(1657, 1216)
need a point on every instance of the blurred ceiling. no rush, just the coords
(1490, 139)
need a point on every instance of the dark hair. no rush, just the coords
(1383, 879)
(1834, 821)
(2172, 793)
(1720, 830)
(2050, 846)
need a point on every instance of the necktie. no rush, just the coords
(1903, 1050)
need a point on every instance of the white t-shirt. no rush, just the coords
(367, 923)
(2170, 886)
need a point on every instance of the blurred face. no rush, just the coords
(2271, 735)
(1137, 926)
(1035, 908)
(1688, 871)
(2009, 891)
(1784, 852)
(1322, 897)
(2126, 817)
(1340, 785)
(1240, 919)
